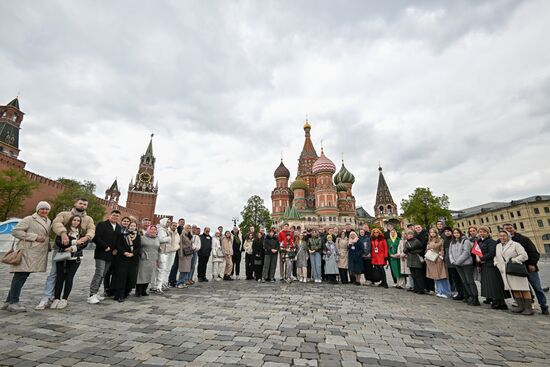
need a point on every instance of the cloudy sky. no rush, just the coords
(450, 95)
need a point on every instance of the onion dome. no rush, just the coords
(282, 171)
(341, 187)
(344, 176)
(323, 164)
(298, 184)
(307, 125)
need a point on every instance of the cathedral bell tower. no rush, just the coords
(10, 123)
(142, 192)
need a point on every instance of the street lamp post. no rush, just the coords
(234, 219)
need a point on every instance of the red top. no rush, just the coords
(379, 250)
(282, 237)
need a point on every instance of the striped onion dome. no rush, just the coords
(323, 164)
(344, 176)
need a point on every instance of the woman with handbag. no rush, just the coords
(248, 260)
(460, 255)
(379, 255)
(413, 249)
(67, 261)
(492, 286)
(509, 259)
(29, 253)
(435, 264)
(127, 258)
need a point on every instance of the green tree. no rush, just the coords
(73, 191)
(15, 187)
(255, 214)
(423, 207)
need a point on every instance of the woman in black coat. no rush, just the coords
(128, 253)
(492, 286)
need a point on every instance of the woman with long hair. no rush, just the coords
(393, 241)
(128, 252)
(460, 254)
(67, 267)
(435, 264)
(379, 255)
(492, 285)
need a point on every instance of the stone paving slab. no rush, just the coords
(244, 323)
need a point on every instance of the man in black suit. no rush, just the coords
(106, 236)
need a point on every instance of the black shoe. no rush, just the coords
(138, 294)
(421, 292)
(475, 302)
(458, 298)
(544, 311)
(467, 300)
(487, 301)
(499, 306)
(120, 300)
(546, 290)
(144, 293)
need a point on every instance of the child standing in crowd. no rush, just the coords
(288, 254)
(301, 258)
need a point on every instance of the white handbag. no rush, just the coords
(431, 255)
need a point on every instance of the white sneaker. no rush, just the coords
(100, 297)
(93, 299)
(182, 286)
(55, 303)
(5, 306)
(62, 304)
(44, 302)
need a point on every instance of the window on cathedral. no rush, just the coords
(389, 209)
(4, 114)
(14, 117)
(381, 209)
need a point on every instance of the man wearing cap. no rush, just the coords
(58, 227)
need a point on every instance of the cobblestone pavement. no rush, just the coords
(246, 323)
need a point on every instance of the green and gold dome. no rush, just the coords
(344, 176)
(298, 184)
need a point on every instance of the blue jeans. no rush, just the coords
(184, 277)
(49, 286)
(193, 264)
(534, 280)
(17, 283)
(315, 259)
(443, 287)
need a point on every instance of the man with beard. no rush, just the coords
(58, 226)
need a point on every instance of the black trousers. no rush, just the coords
(456, 282)
(430, 283)
(343, 275)
(249, 266)
(17, 283)
(172, 278)
(237, 256)
(419, 277)
(323, 275)
(201, 268)
(65, 272)
(382, 274)
(107, 278)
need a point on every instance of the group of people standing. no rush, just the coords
(141, 256)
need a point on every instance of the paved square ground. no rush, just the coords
(246, 323)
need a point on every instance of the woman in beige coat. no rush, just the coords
(342, 248)
(508, 250)
(32, 234)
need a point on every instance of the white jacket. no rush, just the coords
(217, 252)
(196, 243)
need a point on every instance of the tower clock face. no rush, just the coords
(145, 177)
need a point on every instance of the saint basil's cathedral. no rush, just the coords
(321, 197)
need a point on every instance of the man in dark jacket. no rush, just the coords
(531, 263)
(271, 247)
(204, 254)
(107, 235)
(175, 265)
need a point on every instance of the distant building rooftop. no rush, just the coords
(496, 205)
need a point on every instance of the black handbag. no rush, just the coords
(515, 269)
